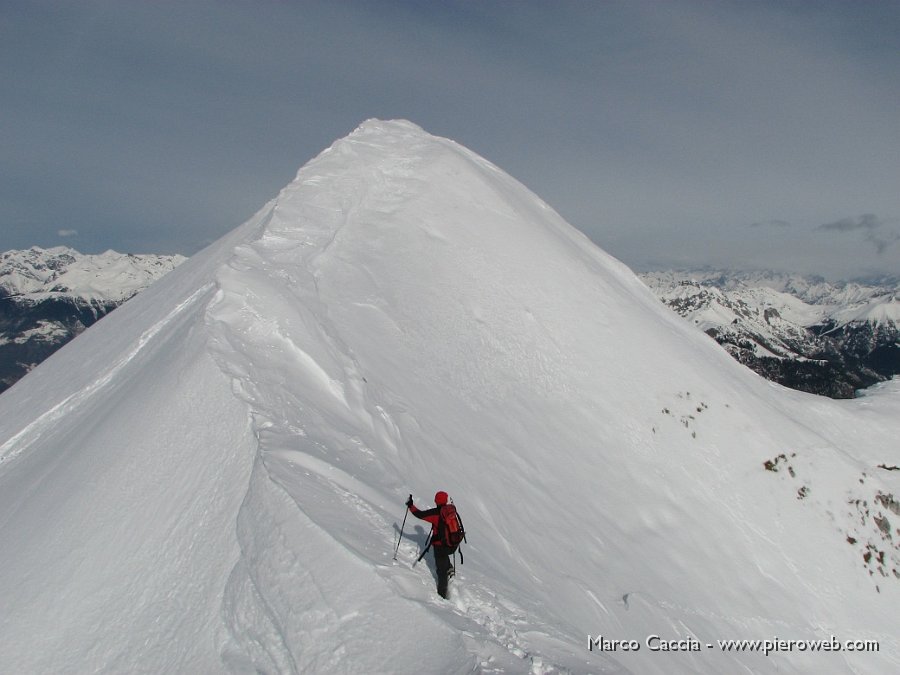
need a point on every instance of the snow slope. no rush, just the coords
(218, 483)
(48, 296)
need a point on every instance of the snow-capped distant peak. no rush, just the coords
(807, 300)
(106, 277)
(881, 310)
(803, 332)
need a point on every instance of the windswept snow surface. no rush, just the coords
(212, 479)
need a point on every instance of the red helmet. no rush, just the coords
(440, 498)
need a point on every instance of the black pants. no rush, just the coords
(443, 566)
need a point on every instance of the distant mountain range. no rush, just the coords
(48, 296)
(212, 478)
(805, 333)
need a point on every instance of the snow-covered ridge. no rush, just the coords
(49, 296)
(109, 277)
(216, 484)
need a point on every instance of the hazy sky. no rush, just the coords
(743, 134)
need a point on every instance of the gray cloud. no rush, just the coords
(873, 229)
(67, 233)
(771, 223)
(883, 241)
(867, 221)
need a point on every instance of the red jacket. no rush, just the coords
(432, 516)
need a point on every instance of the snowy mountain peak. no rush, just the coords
(406, 317)
(106, 277)
(831, 339)
(398, 128)
(883, 310)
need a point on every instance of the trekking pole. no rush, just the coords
(424, 551)
(400, 538)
